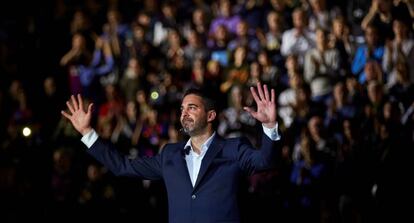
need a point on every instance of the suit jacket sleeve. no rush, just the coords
(252, 160)
(121, 165)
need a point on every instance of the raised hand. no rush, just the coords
(266, 107)
(80, 119)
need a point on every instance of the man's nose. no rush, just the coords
(184, 112)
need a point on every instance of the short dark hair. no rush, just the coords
(208, 101)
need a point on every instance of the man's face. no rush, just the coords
(371, 36)
(193, 115)
(298, 19)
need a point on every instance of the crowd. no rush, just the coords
(343, 72)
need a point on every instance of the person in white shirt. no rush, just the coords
(299, 39)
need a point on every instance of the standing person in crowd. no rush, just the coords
(201, 175)
(321, 67)
(399, 50)
(372, 49)
(299, 39)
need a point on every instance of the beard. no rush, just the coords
(188, 124)
(192, 127)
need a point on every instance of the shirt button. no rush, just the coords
(193, 196)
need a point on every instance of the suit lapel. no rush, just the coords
(212, 151)
(181, 164)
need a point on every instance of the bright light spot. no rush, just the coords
(27, 131)
(154, 95)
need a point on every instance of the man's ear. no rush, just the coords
(211, 115)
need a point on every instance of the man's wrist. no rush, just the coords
(85, 131)
(270, 125)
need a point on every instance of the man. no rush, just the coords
(200, 175)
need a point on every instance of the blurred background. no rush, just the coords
(343, 72)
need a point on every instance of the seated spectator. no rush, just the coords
(225, 17)
(287, 99)
(341, 39)
(235, 121)
(403, 89)
(244, 38)
(238, 71)
(217, 45)
(320, 16)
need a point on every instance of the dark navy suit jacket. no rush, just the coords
(214, 195)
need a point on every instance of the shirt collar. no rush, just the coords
(204, 146)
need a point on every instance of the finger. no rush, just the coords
(66, 115)
(80, 102)
(260, 90)
(266, 93)
(256, 98)
(74, 103)
(90, 108)
(273, 96)
(70, 107)
(251, 111)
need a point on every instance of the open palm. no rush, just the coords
(80, 119)
(266, 107)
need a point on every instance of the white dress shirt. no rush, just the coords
(193, 159)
